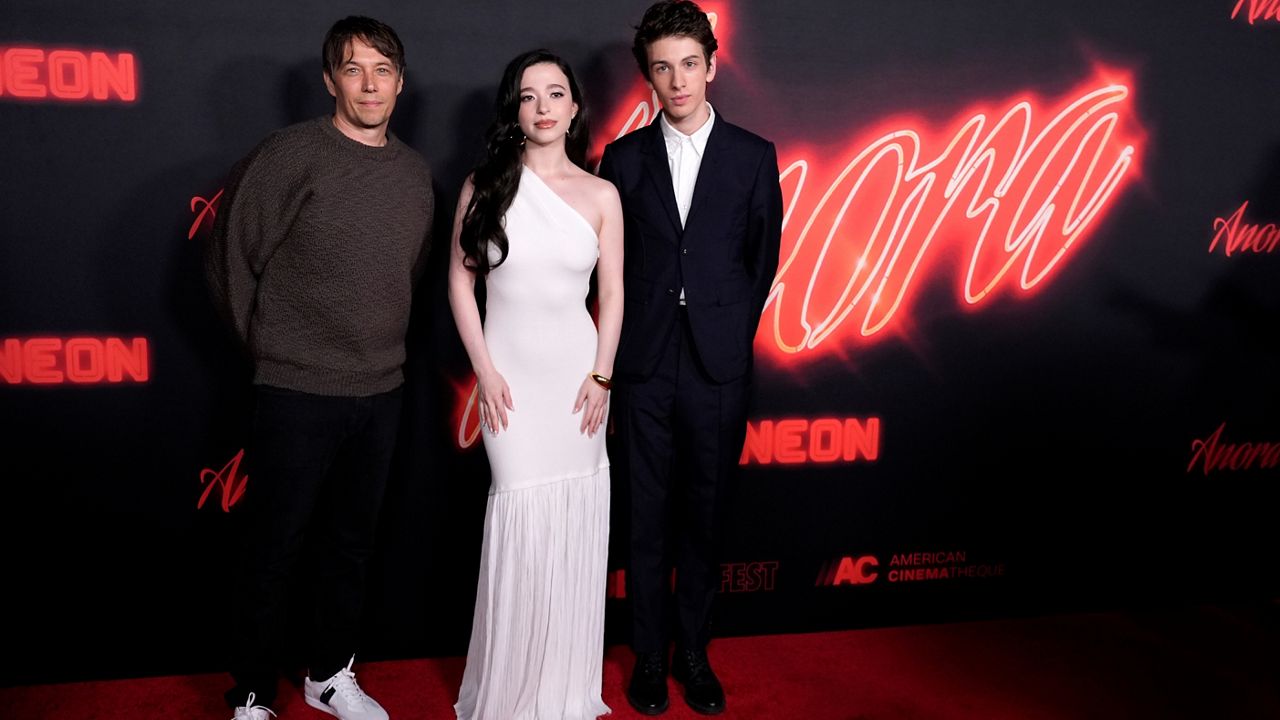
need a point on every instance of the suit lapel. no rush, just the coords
(708, 169)
(659, 171)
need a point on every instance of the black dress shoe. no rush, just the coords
(702, 690)
(647, 692)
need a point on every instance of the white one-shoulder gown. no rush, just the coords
(537, 637)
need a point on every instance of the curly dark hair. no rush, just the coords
(672, 18)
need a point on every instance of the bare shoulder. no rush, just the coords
(600, 192)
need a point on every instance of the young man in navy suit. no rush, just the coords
(703, 220)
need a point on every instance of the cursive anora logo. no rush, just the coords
(1235, 235)
(1214, 454)
(998, 199)
(1256, 10)
(208, 210)
(228, 481)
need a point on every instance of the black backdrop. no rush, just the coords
(1039, 444)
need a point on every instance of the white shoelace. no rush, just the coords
(346, 685)
(249, 707)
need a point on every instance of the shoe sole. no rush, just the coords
(649, 711)
(700, 709)
(319, 705)
(704, 710)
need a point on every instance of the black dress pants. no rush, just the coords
(682, 435)
(317, 468)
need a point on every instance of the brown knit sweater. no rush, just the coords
(313, 255)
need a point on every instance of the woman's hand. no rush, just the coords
(593, 403)
(493, 398)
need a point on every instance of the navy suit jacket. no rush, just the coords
(725, 257)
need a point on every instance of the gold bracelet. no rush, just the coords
(601, 380)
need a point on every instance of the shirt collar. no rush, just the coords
(698, 138)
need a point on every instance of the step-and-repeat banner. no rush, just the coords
(1020, 355)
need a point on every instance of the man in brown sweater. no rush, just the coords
(320, 235)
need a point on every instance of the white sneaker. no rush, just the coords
(249, 711)
(342, 697)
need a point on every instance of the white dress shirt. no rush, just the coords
(684, 158)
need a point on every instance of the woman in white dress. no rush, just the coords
(534, 224)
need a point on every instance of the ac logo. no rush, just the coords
(849, 570)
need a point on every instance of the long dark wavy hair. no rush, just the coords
(497, 177)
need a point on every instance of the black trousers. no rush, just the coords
(317, 468)
(682, 435)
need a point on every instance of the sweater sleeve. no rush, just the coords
(420, 264)
(263, 196)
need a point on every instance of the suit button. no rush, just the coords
(684, 251)
(670, 291)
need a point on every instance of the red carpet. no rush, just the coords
(1202, 663)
